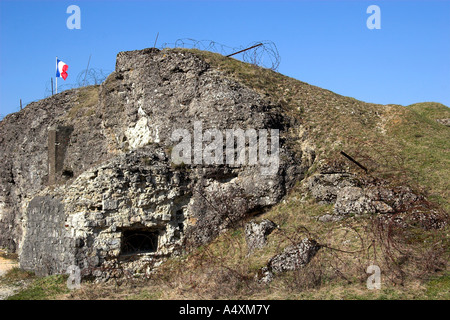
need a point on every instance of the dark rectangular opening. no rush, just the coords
(136, 241)
(67, 173)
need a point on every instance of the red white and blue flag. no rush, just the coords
(61, 69)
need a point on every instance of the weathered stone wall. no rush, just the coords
(24, 160)
(24, 152)
(48, 247)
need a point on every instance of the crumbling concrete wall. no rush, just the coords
(24, 154)
(48, 247)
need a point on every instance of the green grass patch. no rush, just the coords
(439, 288)
(431, 110)
(46, 288)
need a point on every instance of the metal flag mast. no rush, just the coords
(56, 77)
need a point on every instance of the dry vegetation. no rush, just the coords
(412, 263)
(87, 98)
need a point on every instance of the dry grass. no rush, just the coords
(87, 98)
(223, 270)
(402, 144)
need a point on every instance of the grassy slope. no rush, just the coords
(431, 110)
(403, 144)
(425, 146)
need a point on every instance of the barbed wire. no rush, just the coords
(266, 55)
(89, 77)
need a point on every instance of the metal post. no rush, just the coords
(256, 45)
(354, 161)
(56, 78)
(89, 61)
(154, 46)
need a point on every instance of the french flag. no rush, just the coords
(61, 69)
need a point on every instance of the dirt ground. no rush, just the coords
(5, 265)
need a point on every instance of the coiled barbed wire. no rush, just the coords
(266, 55)
(91, 76)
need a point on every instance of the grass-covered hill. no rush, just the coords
(401, 145)
(405, 144)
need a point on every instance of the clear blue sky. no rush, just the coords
(324, 43)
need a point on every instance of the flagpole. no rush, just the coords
(56, 78)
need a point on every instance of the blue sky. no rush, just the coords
(323, 43)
